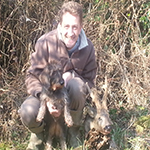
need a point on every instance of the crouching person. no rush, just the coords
(69, 45)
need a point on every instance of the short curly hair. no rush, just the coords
(73, 8)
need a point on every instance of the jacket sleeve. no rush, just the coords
(38, 62)
(89, 72)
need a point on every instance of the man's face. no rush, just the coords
(70, 29)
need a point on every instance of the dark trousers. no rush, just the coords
(29, 109)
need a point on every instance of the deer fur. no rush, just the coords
(98, 117)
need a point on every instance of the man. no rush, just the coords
(68, 44)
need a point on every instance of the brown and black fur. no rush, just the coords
(97, 122)
(53, 91)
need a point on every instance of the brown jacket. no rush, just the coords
(49, 47)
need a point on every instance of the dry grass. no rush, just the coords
(120, 33)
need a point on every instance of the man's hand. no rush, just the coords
(67, 76)
(53, 110)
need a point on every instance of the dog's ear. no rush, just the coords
(45, 77)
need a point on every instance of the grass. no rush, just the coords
(124, 132)
(131, 128)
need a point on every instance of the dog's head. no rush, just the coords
(51, 76)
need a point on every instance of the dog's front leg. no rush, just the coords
(42, 111)
(67, 116)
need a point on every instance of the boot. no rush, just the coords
(74, 138)
(36, 142)
(37, 138)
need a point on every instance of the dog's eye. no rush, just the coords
(100, 119)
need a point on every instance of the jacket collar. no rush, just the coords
(83, 38)
(83, 42)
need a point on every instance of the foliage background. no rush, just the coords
(120, 32)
